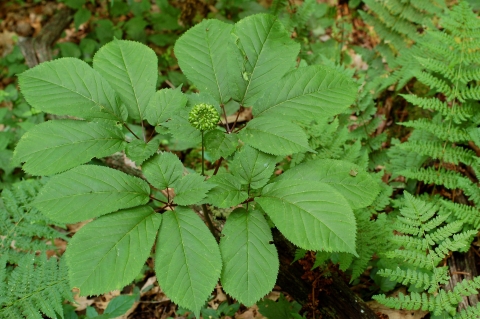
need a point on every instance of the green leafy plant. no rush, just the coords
(16, 116)
(440, 153)
(24, 229)
(29, 285)
(281, 309)
(249, 64)
(36, 286)
(422, 245)
(115, 308)
(440, 146)
(398, 23)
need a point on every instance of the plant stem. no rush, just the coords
(236, 119)
(158, 200)
(126, 126)
(226, 120)
(218, 165)
(203, 157)
(212, 228)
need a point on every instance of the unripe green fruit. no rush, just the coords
(203, 117)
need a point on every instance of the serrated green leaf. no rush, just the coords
(121, 243)
(360, 189)
(250, 261)
(131, 68)
(202, 54)
(138, 151)
(227, 191)
(181, 129)
(309, 92)
(164, 104)
(70, 86)
(267, 52)
(219, 144)
(253, 167)
(202, 97)
(275, 136)
(310, 214)
(56, 146)
(191, 189)
(189, 269)
(89, 191)
(162, 170)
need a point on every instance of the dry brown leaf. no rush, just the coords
(150, 281)
(274, 295)
(251, 313)
(396, 314)
(245, 115)
(103, 301)
(73, 228)
(81, 303)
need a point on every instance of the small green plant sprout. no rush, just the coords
(311, 204)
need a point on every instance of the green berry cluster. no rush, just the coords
(203, 117)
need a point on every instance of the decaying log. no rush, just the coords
(39, 49)
(333, 301)
(462, 267)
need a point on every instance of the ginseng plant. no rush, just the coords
(251, 64)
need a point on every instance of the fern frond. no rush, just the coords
(460, 242)
(409, 242)
(472, 93)
(439, 66)
(438, 150)
(472, 190)
(442, 233)
(421, 252)
(448, 61)
(304, 12)
(416, 209)
(384, 32)
(430, 175)
(373, 237)
(472, 73)
(277, 6)
(415, 258)
(454, 135)
(467, 214)
(35, 286)
(416, 301)
(459, 15)
(436, 83)
(432, 7)
(383, 199)
(423, 280)
(469, 313)
(467, 287)
(401, 160)
(24, 227)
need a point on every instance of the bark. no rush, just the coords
(462, 267)
(330, 296)
(39, 49)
